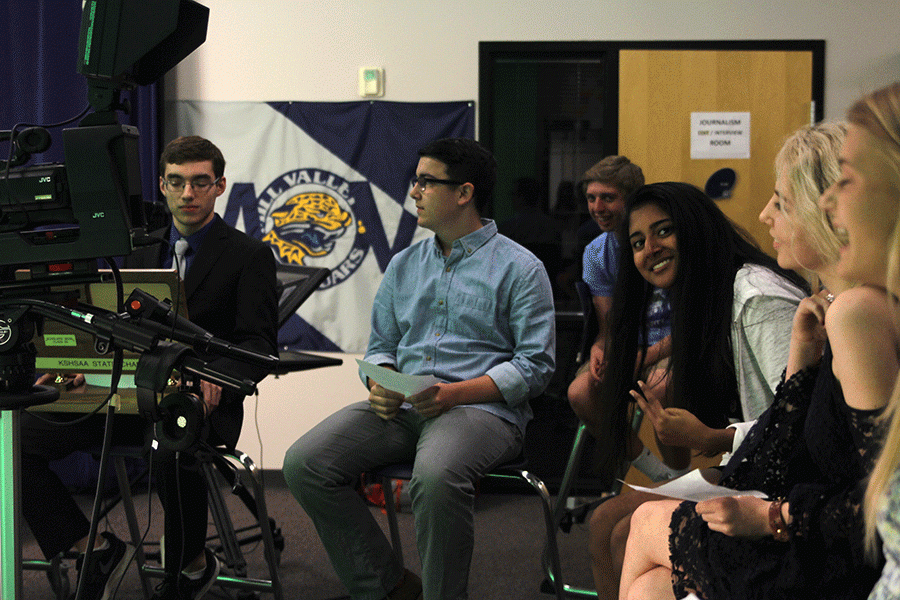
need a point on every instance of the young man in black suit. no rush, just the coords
(230, 291)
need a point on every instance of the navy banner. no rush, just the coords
(325, 184)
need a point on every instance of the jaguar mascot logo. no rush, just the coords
(313, 221)
(309, 220)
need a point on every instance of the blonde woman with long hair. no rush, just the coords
(808, 453)
(876, 119)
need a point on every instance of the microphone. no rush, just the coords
(144, 307)
(31, 140)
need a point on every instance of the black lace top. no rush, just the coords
(814, 450)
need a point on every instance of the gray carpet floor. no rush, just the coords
(509, 537)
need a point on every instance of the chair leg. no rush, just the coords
(561, 512)
(234, 558)
(262, 515)
(390, 509)
(572, 467)
(550, 556)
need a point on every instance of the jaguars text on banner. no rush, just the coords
(325, 184)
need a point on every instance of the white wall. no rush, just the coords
(312, 49)
(266, 50)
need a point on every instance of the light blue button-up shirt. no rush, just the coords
(487, 308)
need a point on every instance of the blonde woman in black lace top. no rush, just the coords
(810, 453)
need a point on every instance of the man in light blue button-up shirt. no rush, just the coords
(472, 308)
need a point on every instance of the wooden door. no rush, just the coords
(658, 92)
(660, 89)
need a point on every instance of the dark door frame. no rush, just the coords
(490, 52)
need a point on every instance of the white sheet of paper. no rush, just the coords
(696, 489)
(407, 385)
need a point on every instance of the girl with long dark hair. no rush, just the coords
(732, 307)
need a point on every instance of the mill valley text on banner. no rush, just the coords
(326, 184)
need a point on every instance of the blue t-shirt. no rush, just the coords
(601, 264)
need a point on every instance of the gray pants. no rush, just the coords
(449, 453)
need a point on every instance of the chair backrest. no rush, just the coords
(295, 284)
(591, 326)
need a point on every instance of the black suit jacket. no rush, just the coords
(230, 292)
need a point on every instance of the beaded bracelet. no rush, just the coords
(777, 523)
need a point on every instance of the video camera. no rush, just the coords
(91, 206)
(58, 219)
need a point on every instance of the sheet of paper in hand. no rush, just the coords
(408, 385)
(695, 488)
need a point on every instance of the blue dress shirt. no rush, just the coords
(195, 240)
(486, 309)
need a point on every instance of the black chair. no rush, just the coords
(295, 285)
(514, 470)
(554, 514)
(218, 465)
(567, 512)
(557, 514)
(236, 470)
(591, 325)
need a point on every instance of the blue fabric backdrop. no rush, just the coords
(40, 86)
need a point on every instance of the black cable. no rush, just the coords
(92, 535)
(118, 355)
(146, 530)
(61, 123)
(180, 566)
(75, 421)
(118, 360)
(117, 279)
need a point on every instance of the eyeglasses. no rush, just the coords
(423, 181)
(198, 184)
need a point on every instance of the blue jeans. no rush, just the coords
(449, 454)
